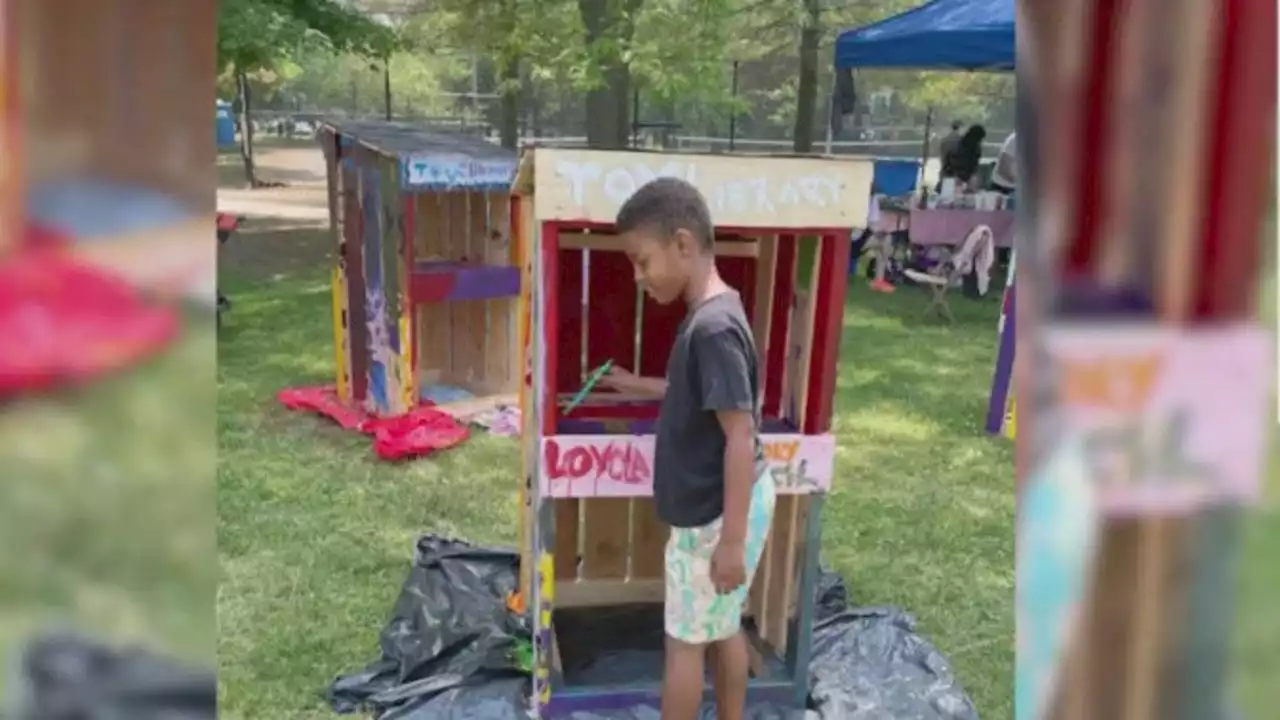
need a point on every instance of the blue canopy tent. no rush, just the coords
(941, 35)
(972, 35)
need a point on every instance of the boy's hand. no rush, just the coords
(728, 567)
(619, 379)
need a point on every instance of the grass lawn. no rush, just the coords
(315, 535)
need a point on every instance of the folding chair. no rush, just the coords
(952, 270)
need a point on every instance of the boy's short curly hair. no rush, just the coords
(665, 205)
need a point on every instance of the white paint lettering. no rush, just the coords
(833, 187)
(760, 188)
(789, 195)
(812, 191)
(644, 173)
(578, 174)
(619, 185)
(747, 195)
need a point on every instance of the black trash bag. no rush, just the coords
(829, 596)
(69, 677)
(450, 627)
(868, 664)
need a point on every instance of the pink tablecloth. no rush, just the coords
(942, 226)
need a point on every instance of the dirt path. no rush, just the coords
(286, 229)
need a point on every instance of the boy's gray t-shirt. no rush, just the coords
(713, 367)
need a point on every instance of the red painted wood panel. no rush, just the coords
(824, 360)
(1245, 110)
(569, 307)
(740, 274)
(611, 310)
(658, 326)
(551, 294)
(784, 285)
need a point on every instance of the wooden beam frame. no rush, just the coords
(613, 243)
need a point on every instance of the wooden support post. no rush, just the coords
(13, 170)
(545, 530)
(409, 312)
(831, 278)
(762, 317)
(800, 651)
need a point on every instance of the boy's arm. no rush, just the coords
(655, 386)
(624, 381)
(739, 473)
(724, 370)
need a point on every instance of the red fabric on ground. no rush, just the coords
(63, 321)
(323, 401)
(417, 433)
(421, 431)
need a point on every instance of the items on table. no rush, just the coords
(982, 200)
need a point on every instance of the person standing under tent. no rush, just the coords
(1004, 179)
(951, 141)
(961, 164)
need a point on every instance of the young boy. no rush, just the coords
(709, 480)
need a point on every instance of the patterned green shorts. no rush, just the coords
(695, 612)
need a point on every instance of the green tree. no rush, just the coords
(257, 36)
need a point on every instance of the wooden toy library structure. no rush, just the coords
(426, 284)
(590, 539)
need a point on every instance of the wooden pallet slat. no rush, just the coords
(648, 541)
(782, 554)
(568, 552)
(606, 538)
(499, 345)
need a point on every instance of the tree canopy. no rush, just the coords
(577, 66)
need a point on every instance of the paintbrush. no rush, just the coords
(592, 380)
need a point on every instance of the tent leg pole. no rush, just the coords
(831, 109)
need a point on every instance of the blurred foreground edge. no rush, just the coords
(1147, 169)
(63, 676)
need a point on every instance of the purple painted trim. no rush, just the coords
(448, 281)
(1004, 366)
(572, 426)
(566, 702)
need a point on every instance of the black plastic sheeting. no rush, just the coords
(68, 677)
(446, 653)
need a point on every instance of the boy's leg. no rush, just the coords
(723, 617)
(688, 594)
(682, 683)
(731, 668)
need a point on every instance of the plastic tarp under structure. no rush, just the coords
(449, 652)
(942, 35)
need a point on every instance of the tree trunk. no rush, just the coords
(609, 25)
(509, 116)
(246, 128)
(807, 92)
(535, 109)
(386, 85)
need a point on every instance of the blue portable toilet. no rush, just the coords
(224, 125)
